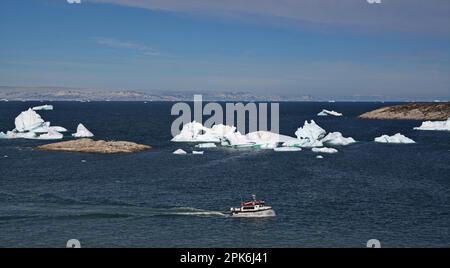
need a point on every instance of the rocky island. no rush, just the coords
(411, 111)
(91, 146)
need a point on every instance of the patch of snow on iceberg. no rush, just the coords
(435, 125)
(397, 138)
(179, 151)
(82, 132)
(326, 150)
(43, 107)
(336, 138)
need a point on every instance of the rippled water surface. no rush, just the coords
(398, 194)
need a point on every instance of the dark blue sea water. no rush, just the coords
(398, 194)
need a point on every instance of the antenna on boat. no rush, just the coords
(254, 197)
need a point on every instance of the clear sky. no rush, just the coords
(326, 48)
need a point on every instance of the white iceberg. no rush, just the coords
(82, 132)
(319, 157)
(43, 107)
(206, 145)
(308, 136)
(326, 150)
(336, 138)
(287, 149)
(435, 125)
(197, 152)
(397, 138)
(30, 125)
(327, 112)
(195, 132)
(28, 120)
(179, 151)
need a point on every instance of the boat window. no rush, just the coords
(248, 207)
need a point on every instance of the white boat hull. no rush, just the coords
(253, 214)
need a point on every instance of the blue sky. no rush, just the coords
(323, 48)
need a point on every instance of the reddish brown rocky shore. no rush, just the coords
(91, 146)
(411, 111)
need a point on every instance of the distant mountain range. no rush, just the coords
(12, 93)
(77, 94)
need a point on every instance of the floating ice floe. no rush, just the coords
(327, 112)
(43, 107)
(326, 150)
(435, 125)
(197, 152)
(336, 138)
(397, 138)
(82, 132)
(206, 145)
(179, 151)
(319, 157)
(287, 149)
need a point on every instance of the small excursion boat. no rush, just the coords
(254, 208)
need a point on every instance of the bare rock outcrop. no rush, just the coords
(411, 111)
(92, 146)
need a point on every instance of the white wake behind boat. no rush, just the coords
(254, 208)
